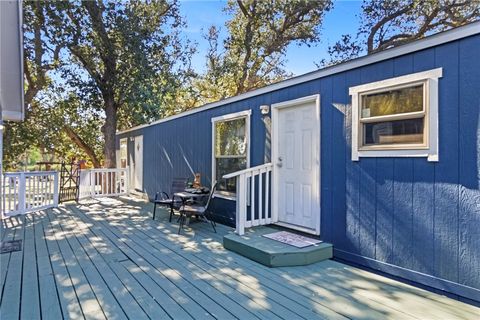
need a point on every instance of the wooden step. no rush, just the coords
(272, 253)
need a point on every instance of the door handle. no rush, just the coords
(280, 162)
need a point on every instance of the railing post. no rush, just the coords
(21, 193)
(55, 189)
(92, 183)
(241, 205)
(127, 180)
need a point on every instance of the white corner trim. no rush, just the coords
(431, 81)
(428, 42)
(276, 107)
(419, 76)
(12, 115)
(232, 116)
(295, 102)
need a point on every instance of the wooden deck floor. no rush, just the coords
(108, 259)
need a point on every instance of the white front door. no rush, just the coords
(138, 164)
(296, 159)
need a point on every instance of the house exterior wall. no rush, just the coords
(407, 217)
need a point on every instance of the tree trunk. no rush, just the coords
(82, 145)
(109, 131)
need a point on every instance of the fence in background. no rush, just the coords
(24, 192)
(96, 183)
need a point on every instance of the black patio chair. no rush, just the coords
(163, 199)
(201, 211)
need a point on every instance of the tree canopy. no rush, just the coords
(387, 24)
(253, 55)
(94, 67)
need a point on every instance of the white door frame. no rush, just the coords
(138, 165)
(275, 125)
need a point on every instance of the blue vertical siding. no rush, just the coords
(469, 163)
(408, 217)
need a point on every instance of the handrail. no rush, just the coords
(103, 182)
(29, 173)
(24, 192)
(253, 190)
(248, 170)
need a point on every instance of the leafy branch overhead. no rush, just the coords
(387, 24)
(253, 54)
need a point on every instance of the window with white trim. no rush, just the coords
(230, 148)
(123, 153)
(396, 117)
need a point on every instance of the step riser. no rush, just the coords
(273, 253)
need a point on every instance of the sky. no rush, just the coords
(201, 14)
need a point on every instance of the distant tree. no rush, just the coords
(253, 54)
(387, 24)
(125, 59)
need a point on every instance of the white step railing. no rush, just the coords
(253, 190)
(24, 192)
(96, 183)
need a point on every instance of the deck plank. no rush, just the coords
(8, 234)
(86, 297)
(395, 308)
(49, 301)
(131, 308)
(10, 303)
(281, 295)
(278, 284)
(267, 314)
(30, 289)
(68, 299)
(138, 303)
(109, 305)
(109, 259)
(197, 296)
(294, 306)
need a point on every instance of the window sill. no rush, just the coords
(225, 195)
(431, 155)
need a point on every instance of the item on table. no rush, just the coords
(197, 181)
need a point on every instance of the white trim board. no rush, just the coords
(431, 108)
(275, 109)
(231, 116)
(428, 42)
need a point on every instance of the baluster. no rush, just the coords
(252, 199)
(260, 200)
(267, 194)
(241, 204)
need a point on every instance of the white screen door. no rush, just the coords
(138, 164)
(296, 159)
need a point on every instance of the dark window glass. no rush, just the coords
(225, 166)
(392, 102)
(393, 132)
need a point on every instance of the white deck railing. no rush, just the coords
(253, 190)
(24, 192)
(96, 183)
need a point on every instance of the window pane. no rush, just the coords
(123, 153)
(392, 102)
(230, 138)
(394, 132)
(225, 166)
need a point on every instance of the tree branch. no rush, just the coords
(82, 145)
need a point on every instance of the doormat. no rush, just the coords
(292, 239)
(10, 246)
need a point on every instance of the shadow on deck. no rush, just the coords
(107, 258)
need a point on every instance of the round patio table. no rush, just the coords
(186, 195)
